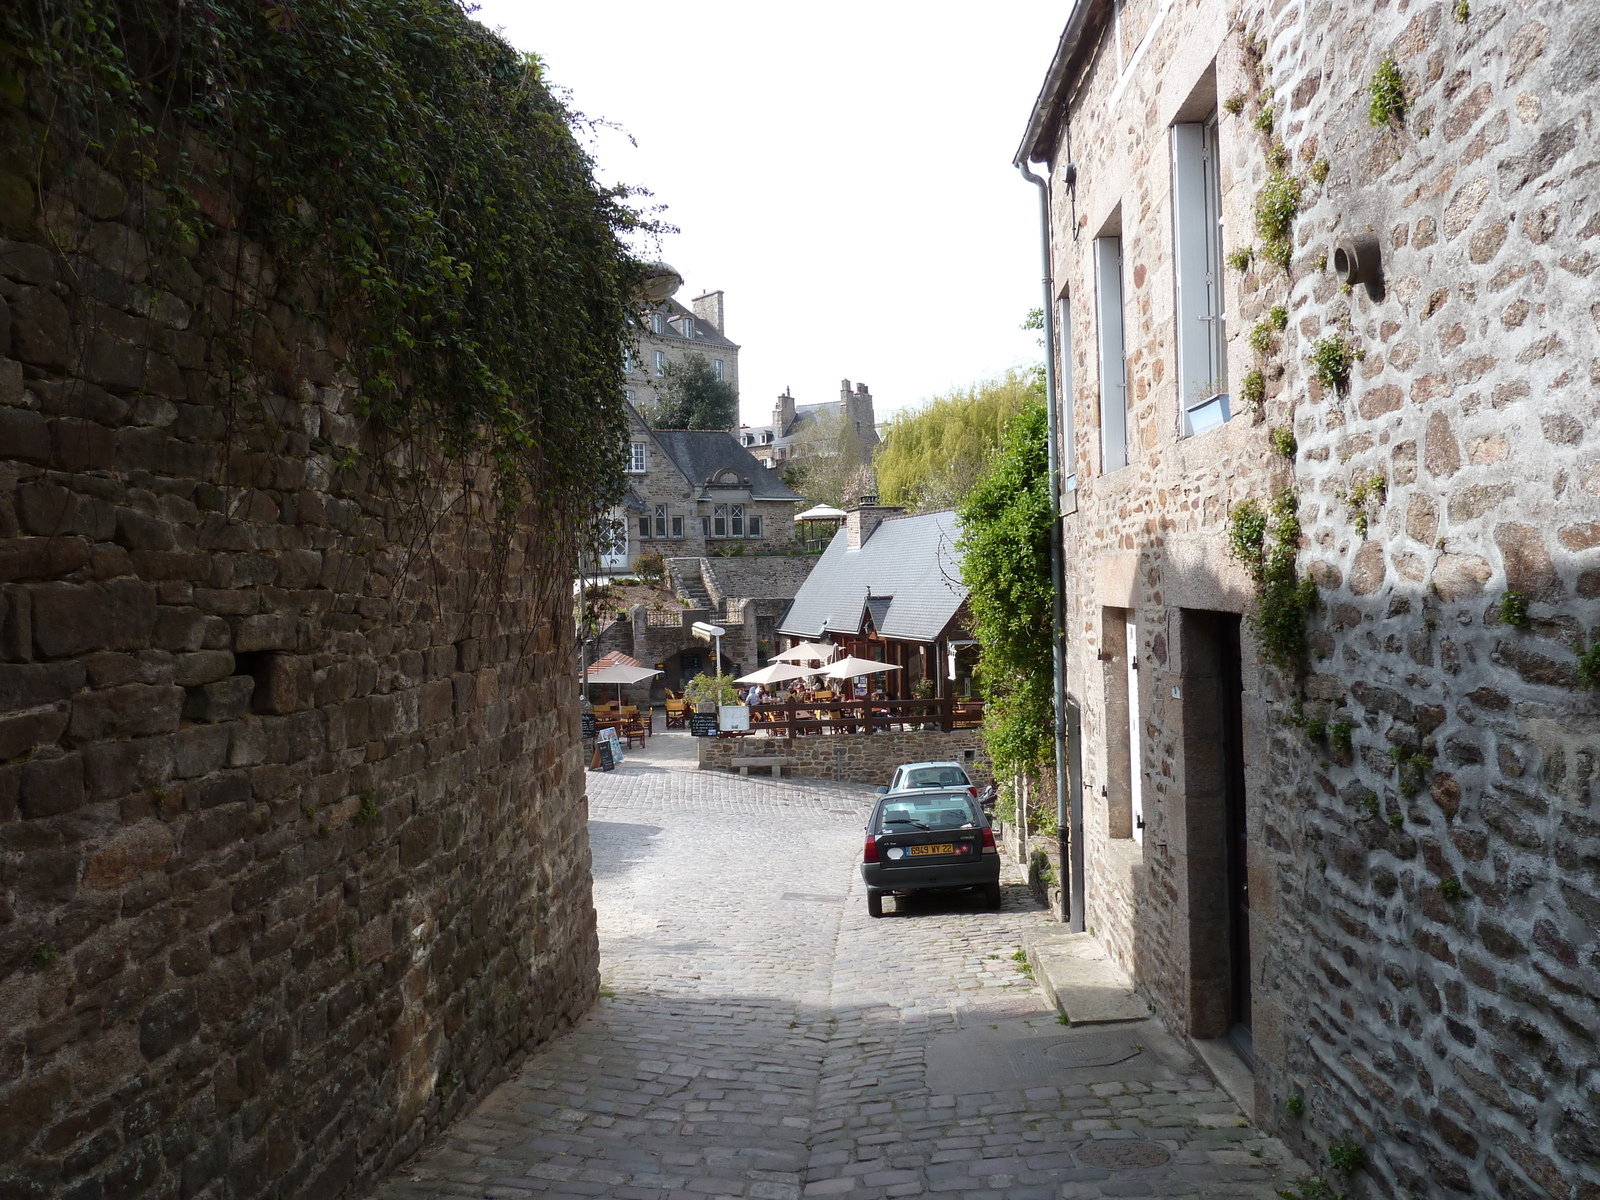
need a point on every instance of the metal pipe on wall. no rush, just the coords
(1069, 814)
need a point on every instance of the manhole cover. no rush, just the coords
(1116, 1156)
(1036, 1056)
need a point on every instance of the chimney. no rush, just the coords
(783, 414)
(709, 309)
(863, 517)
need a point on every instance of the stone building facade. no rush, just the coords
(1372, 869)
(668, 332)
(294, 857)
(695, 492)
(794, 427)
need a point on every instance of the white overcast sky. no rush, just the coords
(841, 170)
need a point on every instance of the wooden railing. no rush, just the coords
(864, 716)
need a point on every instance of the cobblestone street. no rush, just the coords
(758, 1035)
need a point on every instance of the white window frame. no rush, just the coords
(661, 520)
(688, 327)
(661, 362)
(1202, 368)
(736, 520)
(657, 322)
(1114, 448)
(716, 368)
(1068, 396)
(627, 359)
(719, 520)
(637, 458)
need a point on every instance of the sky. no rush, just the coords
(842, 171)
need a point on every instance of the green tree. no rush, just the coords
(694, 398)
(831, 465)
(932, 457)
(1006, 528)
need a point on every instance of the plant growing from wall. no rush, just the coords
(1346, 1156)
(1266, 541)
(1277, 203)
(1239, 259)
(1589, 665)
(1450, 888)
(1463, 11)
(1253, 391)
(1283, 441)
(1514, 610)
(1234, 104)
(1262, 338)
(1006, 528)
(1387, 93)
(1332, 358)
(1339, 736)
(1364, 491)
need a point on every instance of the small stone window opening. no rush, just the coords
(719, 520)
(755, 526)
(661, 520)
(737, 518)
(644, 527)
(677, 527)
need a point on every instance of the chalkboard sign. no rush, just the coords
(603, 749)
(588, 724)
(703, 724)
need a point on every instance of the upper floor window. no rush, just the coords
(658, 323)
(716, 367)
(688, 327)
(766, 438)
(627, 394)
(1113, 358)
(1197, 243)
(736, 520)
(627, 359)
(661, 362)
(636, 458)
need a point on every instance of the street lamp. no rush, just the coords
(706, 630)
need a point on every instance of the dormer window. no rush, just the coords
(688, 327)
(658, 323)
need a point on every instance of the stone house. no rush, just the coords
(1365, 869)
(793, 424)
(696, 492)
(668, 332)
(889, 588)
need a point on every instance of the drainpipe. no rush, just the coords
(1069, 847)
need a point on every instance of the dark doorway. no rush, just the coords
(1211, 810)
(1231, 683)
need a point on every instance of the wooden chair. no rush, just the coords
(677, 714)
(634, 731)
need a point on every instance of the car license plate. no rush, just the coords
(941, 848)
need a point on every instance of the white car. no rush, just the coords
(911, 777)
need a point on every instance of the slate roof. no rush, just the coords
(701, 453)
(909, 568)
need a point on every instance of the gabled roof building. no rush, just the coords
(889, 587)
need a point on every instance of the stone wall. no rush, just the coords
(858, 757)
(1424, 901)
(293, 852)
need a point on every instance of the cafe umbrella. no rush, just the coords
(775, 673)
(851, 667)
(806, 652)
(619, 674)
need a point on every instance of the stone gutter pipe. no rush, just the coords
(1072, 897)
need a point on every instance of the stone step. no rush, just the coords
(1080, 979)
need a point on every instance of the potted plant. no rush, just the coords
(710, 692)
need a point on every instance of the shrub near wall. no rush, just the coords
(296, 381)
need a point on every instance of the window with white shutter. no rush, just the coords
(1113, 358)
(1197, 241)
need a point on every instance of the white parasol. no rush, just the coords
(822, 512)
(852, 667)
(619, 674)
(806, 652)
(775, 673)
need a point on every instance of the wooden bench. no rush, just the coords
(766, 760)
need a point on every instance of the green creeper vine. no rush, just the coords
(1266, 542)
(1364, 491)
(420, 193)
(1277, 203)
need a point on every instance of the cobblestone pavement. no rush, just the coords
(759, 1036)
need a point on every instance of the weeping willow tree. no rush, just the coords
(932, 457)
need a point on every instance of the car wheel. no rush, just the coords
(874, 903)
(991, 895)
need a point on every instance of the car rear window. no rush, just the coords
(926, 812)
(935, 777)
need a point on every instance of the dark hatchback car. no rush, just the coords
(925, 840)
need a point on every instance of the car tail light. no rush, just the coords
(973, 792)
(869, 852)
(988, 841)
